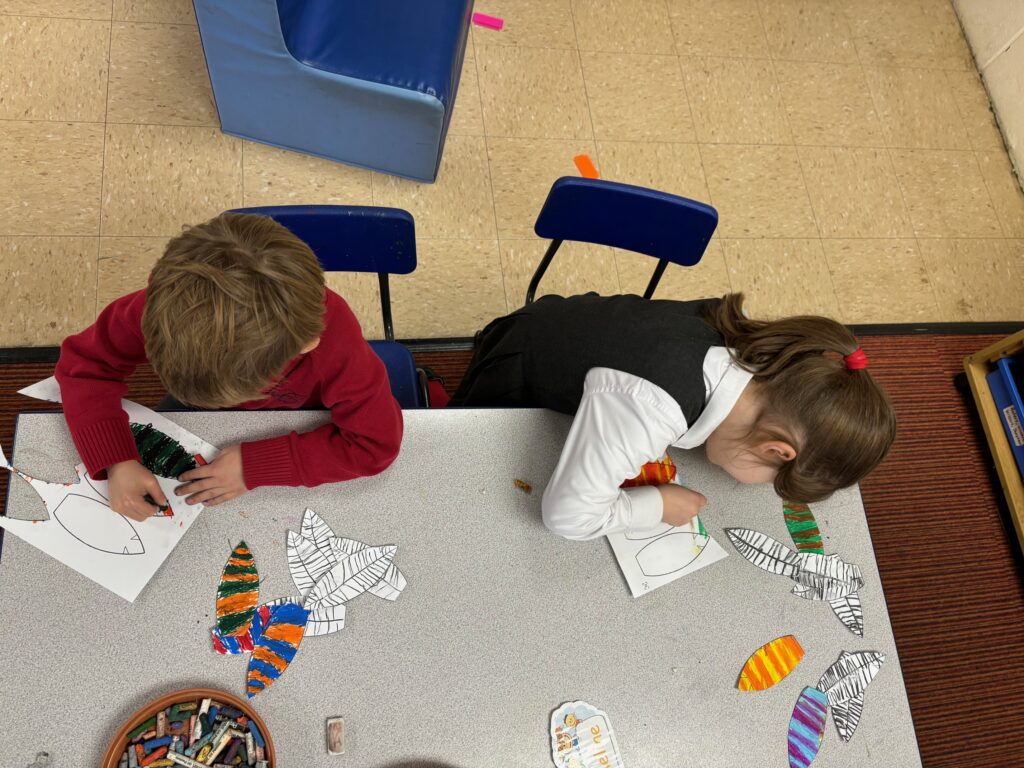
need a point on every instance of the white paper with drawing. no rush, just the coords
(83, 532)
(651, 559)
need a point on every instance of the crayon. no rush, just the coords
(149, 746)
(153, 757)
(141, 729)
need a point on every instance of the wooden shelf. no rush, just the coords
(978, 366)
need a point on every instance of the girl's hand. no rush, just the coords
(128, 484)
(680, 504)
(219, 481)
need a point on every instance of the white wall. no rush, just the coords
(995, 30)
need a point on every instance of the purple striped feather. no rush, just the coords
(807, 727)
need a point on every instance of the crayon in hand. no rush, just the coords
(164, 509)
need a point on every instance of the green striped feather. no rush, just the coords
(803, 528)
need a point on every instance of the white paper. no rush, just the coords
(85, 534)
(651, 559)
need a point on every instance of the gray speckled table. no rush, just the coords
(501, 621)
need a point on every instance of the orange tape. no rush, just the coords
(586, 167)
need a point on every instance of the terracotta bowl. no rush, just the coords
(118, 743)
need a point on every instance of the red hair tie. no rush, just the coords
(856, 360)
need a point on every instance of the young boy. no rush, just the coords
(236, 315)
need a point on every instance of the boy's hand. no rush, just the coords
(680, 504)
(219, 481)
(128, 483)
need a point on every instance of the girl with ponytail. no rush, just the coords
(788, 402)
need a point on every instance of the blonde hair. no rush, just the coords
(229, 303)
(839, 420)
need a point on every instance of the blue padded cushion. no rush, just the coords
(412, 44)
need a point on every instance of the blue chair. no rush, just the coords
(358, 238)
(669, 227)
(370, 83)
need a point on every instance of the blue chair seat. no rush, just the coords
(415, 47)
(402, 373)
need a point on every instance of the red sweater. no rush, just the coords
(342, 374)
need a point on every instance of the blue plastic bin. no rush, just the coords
(1007, 383)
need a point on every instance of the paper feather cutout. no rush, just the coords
(844, 683)
(807, 727)
(653, 473)
(276, 646)
(328, 571)
(848, 610)
(305, 562)
(160, 453)
(803, 529)
(770, 663)
(351, 576)
(817, 577)
(238, 592)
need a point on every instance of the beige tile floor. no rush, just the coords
(847, 145)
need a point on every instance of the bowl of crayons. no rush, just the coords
(192, 728)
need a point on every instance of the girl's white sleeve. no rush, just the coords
(622, 423)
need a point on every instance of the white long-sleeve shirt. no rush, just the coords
(622, 423)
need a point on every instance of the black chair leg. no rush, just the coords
(541, 269)
(655, 278)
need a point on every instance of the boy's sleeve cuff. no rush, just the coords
(105, 443)
(269, 462)
(645, 506)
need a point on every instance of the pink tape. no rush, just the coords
(491, 22)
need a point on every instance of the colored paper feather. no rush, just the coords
(848, 610)
(770, 663)
(238, 592)
(161, 454)
(653, 473)
(351, 576)
(807, 727)
(803, 528)
(276, 646)
(235, 644)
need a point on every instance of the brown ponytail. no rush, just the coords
(839, 420)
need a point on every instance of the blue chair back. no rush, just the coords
(670, 228)
(360, 238)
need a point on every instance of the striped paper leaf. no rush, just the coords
(764, 551)
(807, 727)
(770, 664)
(393, 582)
(848, 611)
(238, 592)
(276, 646)
(351, 576)
(307, 562)
(803, 528)
(316, 530)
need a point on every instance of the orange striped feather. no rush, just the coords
(770, 663)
